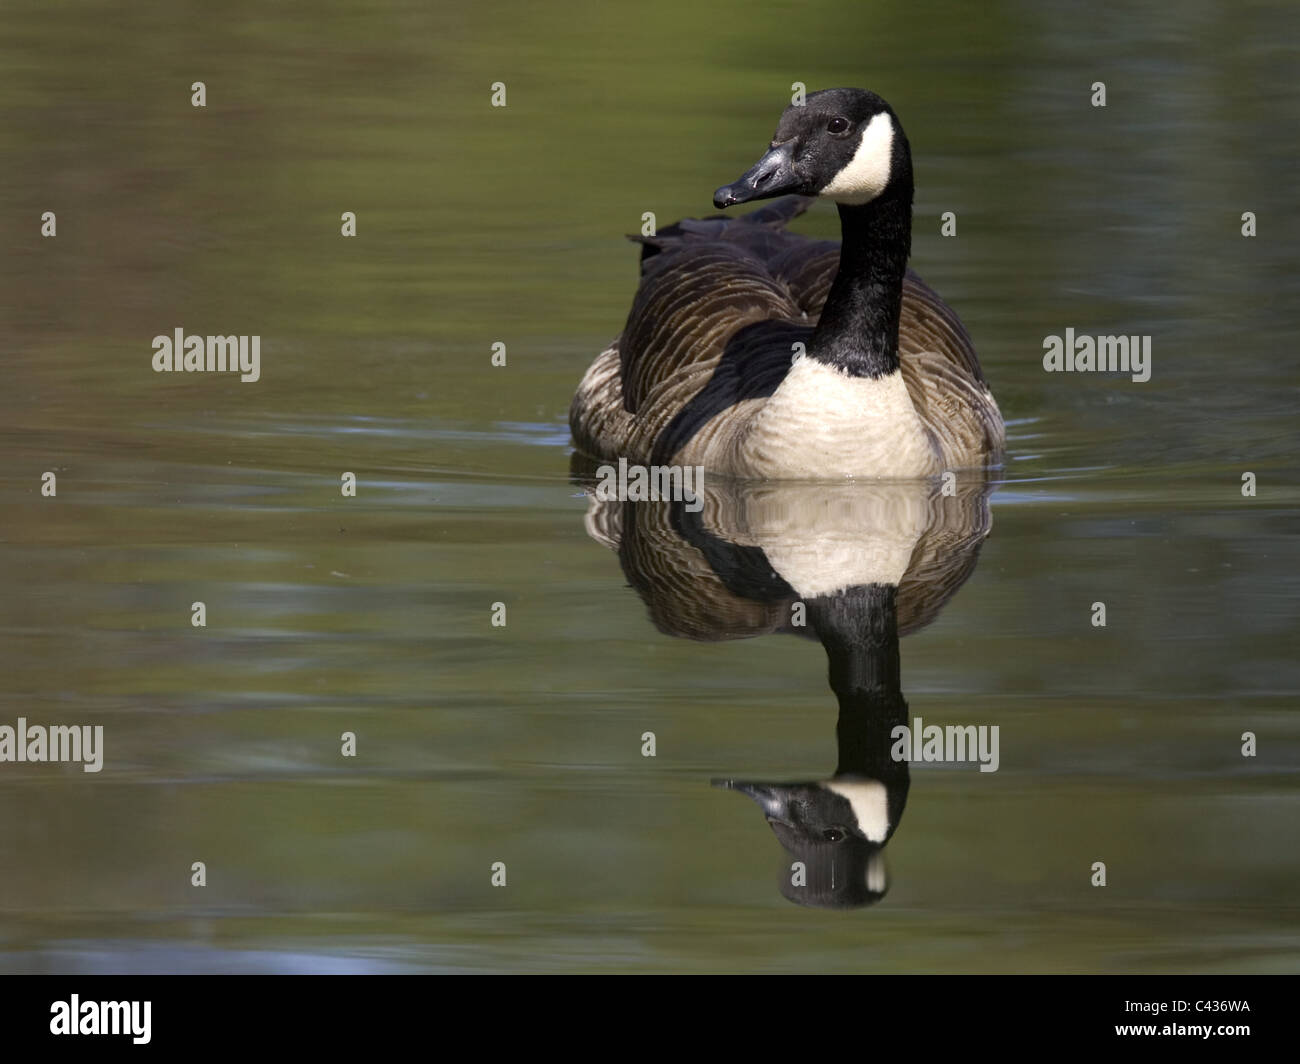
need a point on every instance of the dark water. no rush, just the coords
(522, 744)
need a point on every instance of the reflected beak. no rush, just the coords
(769, 799)
(772, 175)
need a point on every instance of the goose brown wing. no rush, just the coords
(944, 379)
(927, 323)
(689, 306)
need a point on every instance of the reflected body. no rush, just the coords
(850, 565)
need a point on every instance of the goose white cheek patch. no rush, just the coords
(865, 176)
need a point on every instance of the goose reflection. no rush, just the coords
(854, 565)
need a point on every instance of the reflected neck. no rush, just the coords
(859, 629)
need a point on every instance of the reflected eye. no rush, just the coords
(837, 126)
(832, 834)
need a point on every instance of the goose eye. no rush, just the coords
(837, 126)
(832, 835)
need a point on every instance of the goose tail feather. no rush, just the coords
(775, 215)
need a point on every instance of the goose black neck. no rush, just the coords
(858, 330)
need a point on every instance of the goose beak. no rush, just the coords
(772, 175)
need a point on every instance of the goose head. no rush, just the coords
(845, 145)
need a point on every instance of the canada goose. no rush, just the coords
(859, 564)
(709, 370)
